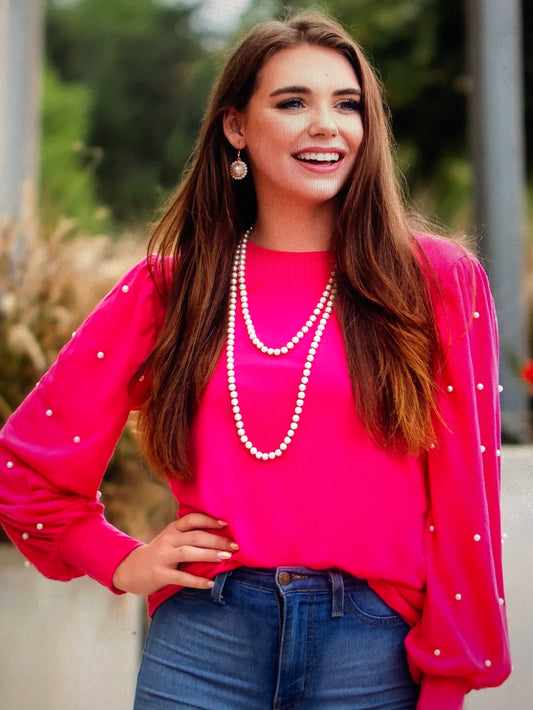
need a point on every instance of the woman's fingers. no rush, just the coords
(194, 521)
(187, 540)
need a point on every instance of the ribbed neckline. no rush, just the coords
(276, 254)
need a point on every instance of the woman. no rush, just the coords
(338, 542)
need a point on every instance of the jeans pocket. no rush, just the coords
(370, 608)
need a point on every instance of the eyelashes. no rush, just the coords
(297, 103)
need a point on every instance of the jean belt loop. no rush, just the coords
(337, 593)
(216, 591)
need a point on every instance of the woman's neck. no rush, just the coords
(294, 229)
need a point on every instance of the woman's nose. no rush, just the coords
(323, 123)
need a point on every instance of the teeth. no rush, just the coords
(319, 157)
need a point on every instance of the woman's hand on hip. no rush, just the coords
(150, 567)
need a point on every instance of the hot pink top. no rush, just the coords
(425, 532)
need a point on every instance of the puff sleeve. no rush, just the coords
(55, 447)
(461, 641)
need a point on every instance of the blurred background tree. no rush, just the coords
(138, 73)
(146, 76)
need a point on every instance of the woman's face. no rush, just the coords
(302, 127)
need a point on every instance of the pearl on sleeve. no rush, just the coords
(477, 537)
(100, 355)
(10, 464)
(125, 289)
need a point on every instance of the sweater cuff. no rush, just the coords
(96, 548)
(442, 693)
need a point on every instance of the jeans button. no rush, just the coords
(284, 578)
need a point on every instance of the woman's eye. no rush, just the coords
(349, 105)
(290, 104)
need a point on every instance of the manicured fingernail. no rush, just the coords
(224, 555)
(234, 546)
(221, 522)
(210, 584)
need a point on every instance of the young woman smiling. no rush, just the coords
(319, 386)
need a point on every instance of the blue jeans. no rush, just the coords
(285, 639)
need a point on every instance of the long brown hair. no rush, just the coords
(383, 304)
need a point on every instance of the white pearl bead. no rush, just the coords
(488, 663)
(10, 464)
(477, 537)
(431, 528)
(25, 536)
(49, 412)
(483, 449)
(476, 314)
(39, 526)
(450, 388)
(500, 388)
(76, 439)
(436, 652)
(501, 601)
(248, 444)
(100, 355)
(479, 386)
(125, 289)
(458, 597)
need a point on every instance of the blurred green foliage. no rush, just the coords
(145, 69)
(67, 165)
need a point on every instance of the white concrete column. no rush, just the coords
(21, 33)
(497, 133)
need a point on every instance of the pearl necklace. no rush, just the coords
(324, 307)
(246, 313)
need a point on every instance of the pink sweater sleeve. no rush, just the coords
(461, 641)
(55, 448)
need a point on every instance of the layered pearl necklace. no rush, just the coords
(323, 311)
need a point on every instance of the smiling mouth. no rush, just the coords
(318, 158)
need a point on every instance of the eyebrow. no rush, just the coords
(351, 91)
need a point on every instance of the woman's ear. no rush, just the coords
(232, 124)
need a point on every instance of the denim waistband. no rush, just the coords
(291, 580)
